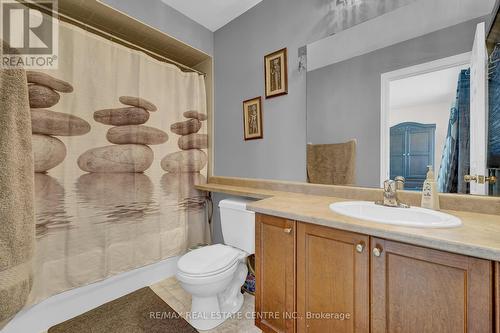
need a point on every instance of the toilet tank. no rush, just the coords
(238, 224)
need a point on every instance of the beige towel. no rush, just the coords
(333, 164)
(17, 224)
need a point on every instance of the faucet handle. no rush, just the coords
(400, 182)
(400, 179)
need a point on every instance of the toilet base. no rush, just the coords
(209, 312)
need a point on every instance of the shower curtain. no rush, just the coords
(119, 142)
(455, 162)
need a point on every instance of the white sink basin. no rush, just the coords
(407, 217)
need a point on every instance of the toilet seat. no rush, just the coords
(207, 279)
(210, 261)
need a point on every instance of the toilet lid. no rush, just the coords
(208, 260)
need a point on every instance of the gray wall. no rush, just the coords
(343, 99)
(239, 50)
(240, 47)
(164, 18)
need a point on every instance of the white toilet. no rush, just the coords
(214, 274)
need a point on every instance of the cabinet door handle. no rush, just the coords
(377, 251)
(287, 230)
(360, 247)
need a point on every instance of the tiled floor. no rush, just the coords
(172, 293)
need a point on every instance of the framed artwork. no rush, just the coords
(252, 118)
(276, 73)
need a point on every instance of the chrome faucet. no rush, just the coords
(391, 193)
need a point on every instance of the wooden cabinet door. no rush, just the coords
(333, 280)
(420, 290)
(496, 298)
(275, 274)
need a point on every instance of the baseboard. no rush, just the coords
(56, 309)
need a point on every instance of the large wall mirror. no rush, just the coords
(414, 88)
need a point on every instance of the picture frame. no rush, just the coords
(252, 119)
(276, 73)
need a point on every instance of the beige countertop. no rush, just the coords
(479, 235)
(241, 191)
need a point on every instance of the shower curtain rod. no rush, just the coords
(113, 38)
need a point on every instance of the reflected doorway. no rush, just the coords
(417, 106)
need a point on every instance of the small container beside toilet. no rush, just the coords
(214, 274)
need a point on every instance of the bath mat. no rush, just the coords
(140, 311)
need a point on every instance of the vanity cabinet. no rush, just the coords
(275, 272)
(320, 279)
(333, 278)
(496, 298)
(416, 289)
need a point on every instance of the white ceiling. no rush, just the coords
(435, 87)
(212, 14)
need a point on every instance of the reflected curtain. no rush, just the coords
(119, 141)
(455, 163)
(494, 109)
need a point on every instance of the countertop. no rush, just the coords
(479, 235)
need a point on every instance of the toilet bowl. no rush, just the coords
(215, 291)
(214, 274)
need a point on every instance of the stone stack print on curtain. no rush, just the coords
(188, 162)
(119, 142)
